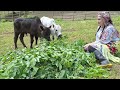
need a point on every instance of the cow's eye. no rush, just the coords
(56, 30)
(53, 26)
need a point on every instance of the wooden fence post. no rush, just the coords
(73, 15)
(4, 14)
(19, 13)
(62, 13)
(0, 17)
(12, 15)
(24, 13)
(85, 16)
(53, 14)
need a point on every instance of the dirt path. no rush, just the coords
(115, 72)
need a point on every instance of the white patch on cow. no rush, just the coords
(47, 21)
(50, 23)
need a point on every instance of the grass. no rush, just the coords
(74, 30)
(6, 27)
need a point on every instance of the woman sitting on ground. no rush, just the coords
(106, 36)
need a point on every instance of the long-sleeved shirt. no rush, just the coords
(106, 36)
(109, 35)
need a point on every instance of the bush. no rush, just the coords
(54, 60)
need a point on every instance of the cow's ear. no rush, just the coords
(42, 28)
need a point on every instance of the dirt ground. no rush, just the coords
(115, 72)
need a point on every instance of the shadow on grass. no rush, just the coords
(117, 54)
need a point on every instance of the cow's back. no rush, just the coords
(17, 24)
(47, 22)
(26, 25)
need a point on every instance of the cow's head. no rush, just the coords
(58, 31)
(52, 27)
(50, 23)
(45, 32)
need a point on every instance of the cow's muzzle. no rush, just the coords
(60, 36)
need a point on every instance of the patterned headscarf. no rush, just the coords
(106, 16)
(108, 20)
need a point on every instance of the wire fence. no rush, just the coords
(65, 15)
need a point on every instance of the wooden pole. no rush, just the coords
(12, 15)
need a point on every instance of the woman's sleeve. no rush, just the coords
(107, 34)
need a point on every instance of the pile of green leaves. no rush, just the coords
(51, 60)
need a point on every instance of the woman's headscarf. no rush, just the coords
(108, 20)
(106, 16)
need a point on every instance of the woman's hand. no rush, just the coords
(86, 46)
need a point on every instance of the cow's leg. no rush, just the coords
(31, 40)
(21, 39)
(15, 39)
(53, 37)
(36, 38)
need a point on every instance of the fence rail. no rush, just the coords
(66, 15)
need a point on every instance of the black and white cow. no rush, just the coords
(33, 26)
(50, 23)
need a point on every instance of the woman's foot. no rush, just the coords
(106, 64)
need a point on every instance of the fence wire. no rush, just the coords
(65, 15)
